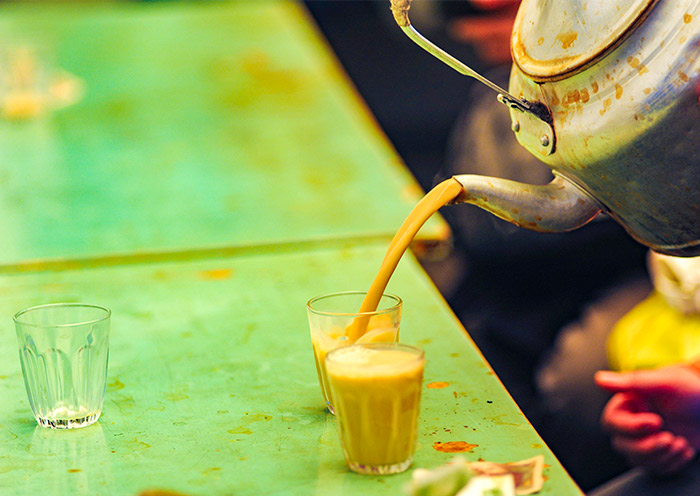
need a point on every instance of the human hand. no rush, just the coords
(654, 416)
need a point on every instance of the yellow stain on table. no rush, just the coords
(216, 274)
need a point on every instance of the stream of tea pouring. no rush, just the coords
(439, 196)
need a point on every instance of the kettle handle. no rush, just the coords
(400, 10)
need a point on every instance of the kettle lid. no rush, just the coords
(554, 38)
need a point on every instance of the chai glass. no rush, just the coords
(64, 350)
(331, 315)
(376, 392)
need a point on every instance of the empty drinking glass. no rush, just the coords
(64, 349)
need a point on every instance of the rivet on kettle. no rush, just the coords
(544, 140)
(515, 126)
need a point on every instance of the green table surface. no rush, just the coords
(202, 125)
(212, 388)
(219, 171)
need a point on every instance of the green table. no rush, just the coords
(218, 173)
(212, 388)
(203, 125)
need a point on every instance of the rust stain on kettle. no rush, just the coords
(554, 99)
(636, 64)
(618, 91)
(571, 98)
(584, 95)
(567, 39)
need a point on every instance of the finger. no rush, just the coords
(638, 381)
(642, 451)
(632, 424)
(675, 463)
(623, 415)
(675, 451)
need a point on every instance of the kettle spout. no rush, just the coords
(555, 207)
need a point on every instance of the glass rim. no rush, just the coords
(16, 317)
(309, 305)
(420, 355)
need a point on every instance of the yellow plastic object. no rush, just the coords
(653, 334)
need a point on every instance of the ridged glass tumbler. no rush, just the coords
(64, 350)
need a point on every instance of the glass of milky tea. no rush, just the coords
(376, 392)
(331, 317)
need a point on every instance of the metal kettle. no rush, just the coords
(606, 93)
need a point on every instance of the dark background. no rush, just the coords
(414, 97)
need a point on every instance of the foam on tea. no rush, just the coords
(373, 361)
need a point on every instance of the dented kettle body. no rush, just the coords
(605, 92)
(626, 128)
